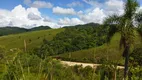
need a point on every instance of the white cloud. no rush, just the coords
(64, 11)
(75, 4)
(94, 3)
(114, 7)
(38, 4)
(100, 10)
(80, 12)
(70, 22)
(96, 16)
(140, 9)
(22, 17)
(27, 2)
(115, 4)
(47, 19)
(109, 6)
(41, 4)
(32, 16)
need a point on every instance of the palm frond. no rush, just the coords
(112, 22)
(112, 29)
(138, 20)
(138, 17)
(130, 8)
(113, 19)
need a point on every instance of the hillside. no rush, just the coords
(14, 30)
(33, 39)
(90, 48)
(83, 26)
(11, 30)
(111, 52)
(39, 28)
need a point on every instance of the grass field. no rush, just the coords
(109, 51)
(33, 39)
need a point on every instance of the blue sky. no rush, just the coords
(56, 13)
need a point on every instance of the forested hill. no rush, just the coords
(11, 30)
(84, 25)
(35, 38)
(14, 30)
(39, 28)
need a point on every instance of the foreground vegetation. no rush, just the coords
(27, 66)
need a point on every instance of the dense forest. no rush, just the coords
(74, 39)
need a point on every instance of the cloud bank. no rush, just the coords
(22, 17)
(64, 11)
(38, 4)
(67, 16)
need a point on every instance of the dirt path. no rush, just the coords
(85, 64)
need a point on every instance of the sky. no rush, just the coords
(57, 13)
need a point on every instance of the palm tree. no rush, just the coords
(125, 25)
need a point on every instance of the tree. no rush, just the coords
(124, 24)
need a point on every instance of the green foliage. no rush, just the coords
(73, 39)
(2, 57)
(111, 52)
(2, 52)
(39, 28)
(136, 57)
(135, 73)
(28, 66)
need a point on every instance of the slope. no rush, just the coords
(33, 39)
(111, 52)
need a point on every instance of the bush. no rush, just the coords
(136, 57)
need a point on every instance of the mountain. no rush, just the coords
(39, 28)
(14, 30)
(83, 25)
(11, 30)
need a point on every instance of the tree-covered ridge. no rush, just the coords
(14, 30)
(73, 39)
(11, 30)
(39, 28)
